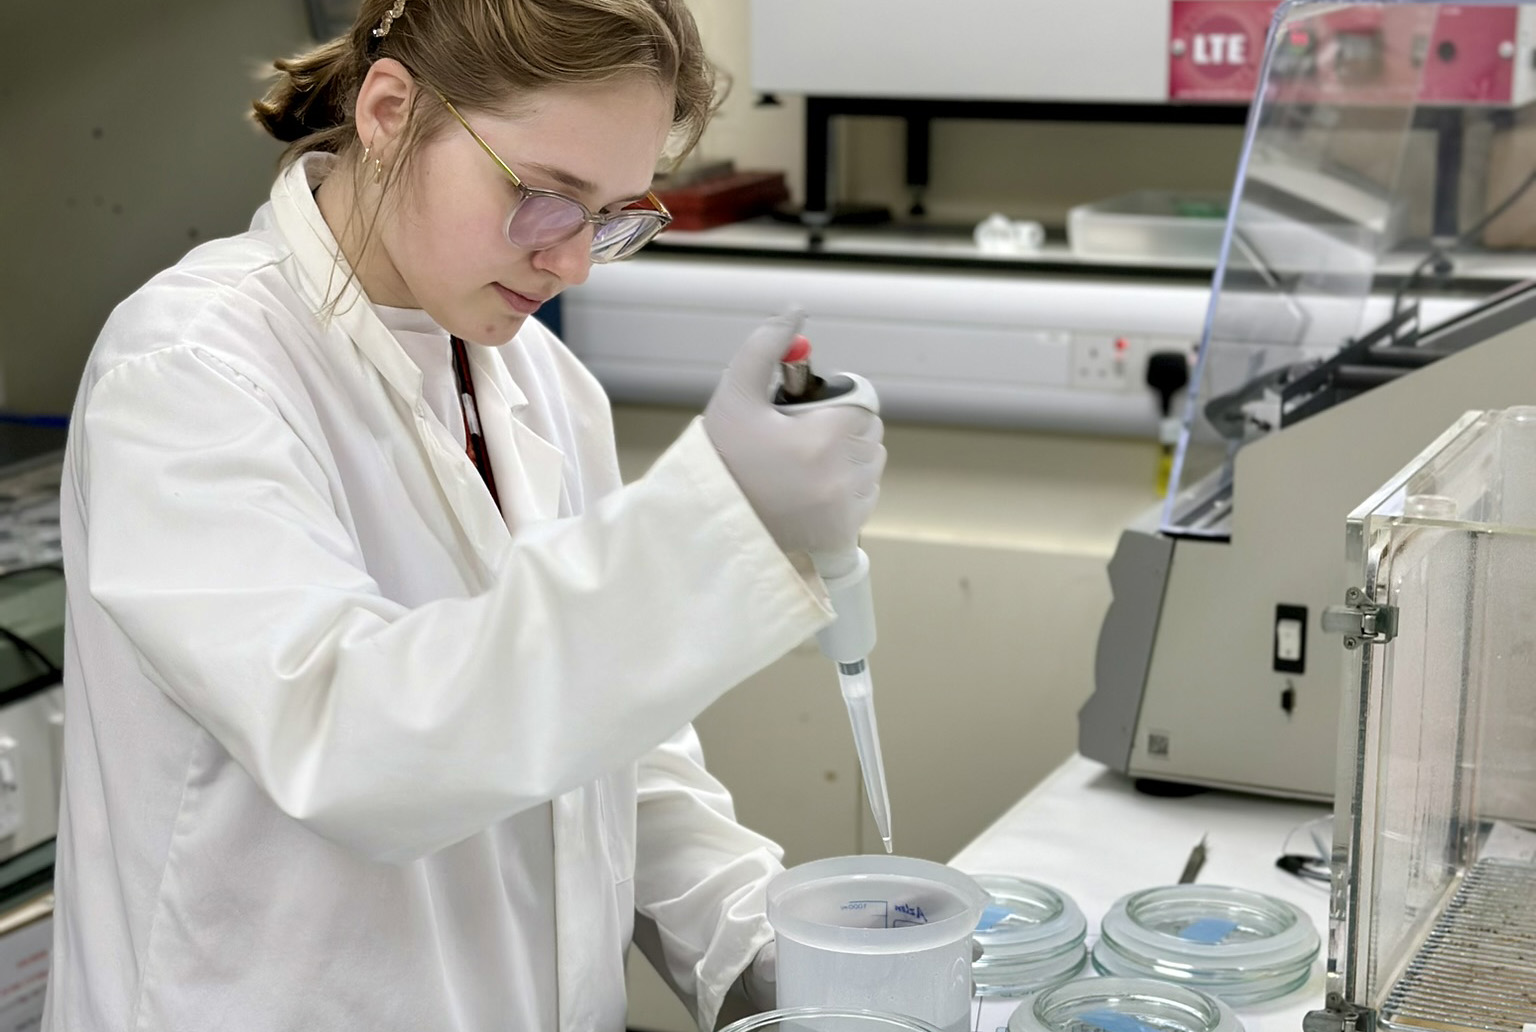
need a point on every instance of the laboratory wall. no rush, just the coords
(123, 142)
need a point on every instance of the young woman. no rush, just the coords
(378, 679)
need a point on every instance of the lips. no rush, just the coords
(522, 304)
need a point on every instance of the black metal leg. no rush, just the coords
(1449, 141)
(818, 156)
(919, 132)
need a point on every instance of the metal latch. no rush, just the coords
(1360, 620)
(1339, 1017)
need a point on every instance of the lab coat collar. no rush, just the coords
(325, 274)
(322, 270)
(529, 470)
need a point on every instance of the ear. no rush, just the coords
(383, 101)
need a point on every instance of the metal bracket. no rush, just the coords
(1339, 1017)
(1360, 620)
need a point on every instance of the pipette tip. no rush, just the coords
(887, 841)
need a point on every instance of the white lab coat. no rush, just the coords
(311, 671)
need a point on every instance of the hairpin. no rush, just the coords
(389, 19)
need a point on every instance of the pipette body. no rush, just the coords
(850, 638)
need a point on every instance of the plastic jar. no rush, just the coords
(884, 933)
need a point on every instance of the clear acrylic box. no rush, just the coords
(1433, 911)
(1149, 225)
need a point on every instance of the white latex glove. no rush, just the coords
(812, 478)
(760, 980)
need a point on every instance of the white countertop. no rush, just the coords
(1087, 832)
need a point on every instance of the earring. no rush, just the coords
(378, 166)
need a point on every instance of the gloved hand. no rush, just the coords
(760, 980)
(812, 478)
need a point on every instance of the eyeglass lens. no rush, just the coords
(542, 221)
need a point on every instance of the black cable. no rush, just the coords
(1439, 255)
(27, 689)
(50, 676)
(51, 673)
(27, 648)
(1310, 868)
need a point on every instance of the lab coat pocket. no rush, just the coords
(617, 794)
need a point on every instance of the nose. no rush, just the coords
(570, 260)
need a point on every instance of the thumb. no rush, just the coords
(757, 363)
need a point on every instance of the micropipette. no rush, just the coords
(847, 641)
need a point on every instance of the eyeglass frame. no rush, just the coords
(589, 218)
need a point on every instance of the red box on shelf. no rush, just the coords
(724, 199)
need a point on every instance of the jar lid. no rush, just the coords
(1123, 1005)
(1242, 946)
(825, 1019)
(1030, 936)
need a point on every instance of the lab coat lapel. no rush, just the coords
(323, 275)
(529, 470)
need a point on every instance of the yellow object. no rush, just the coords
(1164, 467)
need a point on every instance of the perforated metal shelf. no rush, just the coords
(1477, 969)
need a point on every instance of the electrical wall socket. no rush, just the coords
(1118, 364)
(1107, 363)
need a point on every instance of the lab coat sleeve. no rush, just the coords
(215, 544)
(699, 876)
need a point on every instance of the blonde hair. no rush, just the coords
(486, 54)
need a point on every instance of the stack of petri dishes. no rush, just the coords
(1030, 937)
(1242, 946)
(1123, 1005)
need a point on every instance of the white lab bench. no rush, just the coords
(1086, 831)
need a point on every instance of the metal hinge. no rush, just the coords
(1339, 1018)
(1360, 620)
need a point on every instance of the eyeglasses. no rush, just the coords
(543, 218)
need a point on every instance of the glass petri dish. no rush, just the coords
(829, 1019)
(1242, 946)
(1030, 937)
(1123, 1005)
